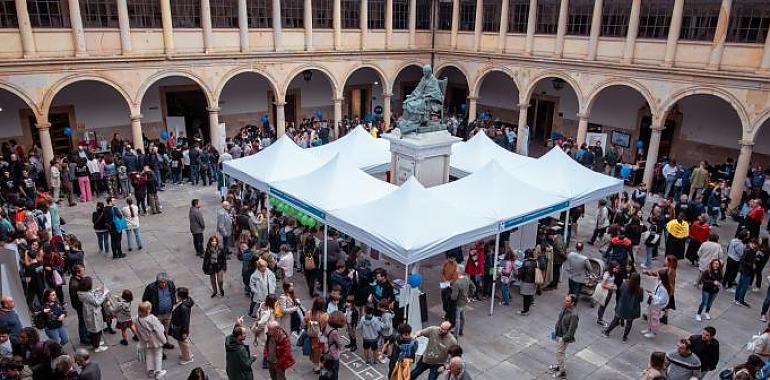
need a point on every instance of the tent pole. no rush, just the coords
(267, 206)
(408, 296)
(326, 246)
(494, 275)
(566, 228)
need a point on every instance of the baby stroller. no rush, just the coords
(595, 275)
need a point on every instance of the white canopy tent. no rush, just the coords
(472, 155)
(359, 149)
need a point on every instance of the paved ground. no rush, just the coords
(505, 345)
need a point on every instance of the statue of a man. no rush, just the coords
(426, 99)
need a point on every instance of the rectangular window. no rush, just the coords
(260, 13)
(8, 17)
(547, 16)
(48, 13)
(749, 21)
(580, 15)
(293, 13)
(400, 14)
(322, 14)
(699, 20)
(655, 19)
(99, 13)
(144, 14)
(492, 15)
(518, 14)
(615, 15)
(351, 14)
(224, 13)
(186, 13)
(376, 14)
(468, 15)
(423, 14)
(444, 15)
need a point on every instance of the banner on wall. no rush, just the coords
(592, 138)
(176, 124)
(222, 132)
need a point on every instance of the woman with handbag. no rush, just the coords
(152, 337)
(310, 265)
(55, 314)
(180, 324)
(609, 283)
(315, 322)
(215, 265)
(628, 305)
(289, 304)
(53, 264)
(527, 287)
(268, 311)
(506, 272)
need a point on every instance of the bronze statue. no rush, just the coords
(424, 107)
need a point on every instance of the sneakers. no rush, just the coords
(523, 313)
(731, 290)
(553, 368)
(160, 374)
(605, 335)
(124, 342)
(650, 335)
(755, 290)
(698, 318)
(101, 349)
(560, 375)
(184, 362)
(763, 318)
(706, 316)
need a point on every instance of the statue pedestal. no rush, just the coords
(424, 156)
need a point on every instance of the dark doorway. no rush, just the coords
(289, 110)
(190, 104)
(540, 120)
(62, 145)
(667, 136)
(455, 97)
(359, 102)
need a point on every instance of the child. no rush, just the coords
(370, 331)
(351, 319)
(386, 320)
(122, 311)
(125, 187)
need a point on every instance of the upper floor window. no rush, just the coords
(518, 14)
(491, 19)
(293, 13)
(48, 13)
(580, 15)
(615, 14)
(444, 15)
(322, 14)
(749, 21)
(144, 14)
(351, 14)
(224, 13)
(400, 14)
(186, 13)
(99, 13)
(699, 20)
(8, 14)
(260, 13)
(376, 14)
(467, 14)
(424, 10)
(655, 18)
(547, 16)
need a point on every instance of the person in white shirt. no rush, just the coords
(131, 214)
(669, 171)
(286, 261)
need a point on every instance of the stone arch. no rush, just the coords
(401, 69)
(554, 74)
(482, 74)
(293, 74)
(754, 128)
(713, 91)
(630, 83)
(459, 68)
(173, 73)
(242, 70)
(66, 81)
(387, 88)
(22, 95)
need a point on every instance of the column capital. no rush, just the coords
(279, 104)
(338, 100)
(657, 128)
(473, 98)
(582, 115)
(212, 109)
(523, 106)
(746, 143)
(43, 125)
(136, 117)
(386, 94)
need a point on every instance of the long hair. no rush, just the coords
(635, 284)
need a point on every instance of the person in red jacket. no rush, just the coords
(475, 268)
(753, 220)
(699, 233)
(277, 351)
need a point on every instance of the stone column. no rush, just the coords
(125, 27)
(478, 26)
(25, 29)
(364, 19)
(673, 33)
(652, 153)
(386, 110)
(522, 123)
(206, 25)
(243, 25)
(503, 33)
(741, 169)
(308, 23)
(136, 132)
(44, 130)
(531, 27)
(764, 67)
(214, 127)
(388, 23)
(633, 31)
(337, 24)
(561, 29)
(720, 35)
(337, 116)
(168, 26)
(472, 108)
(280, 119)
(455, 24)
(582, 128)
(412, 24)
(277, 25)
(596, 27)
(76, 23)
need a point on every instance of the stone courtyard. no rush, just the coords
(504, 346)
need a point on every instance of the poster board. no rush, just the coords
(176, 124)
(592, 138)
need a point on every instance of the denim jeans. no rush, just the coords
(506, 290)
(575, 287)
(476, 278)
(649, 251)
(421, 367)
(58, 335)
(743, 286)
(194, 171)
(83, 335)
(158, 177)
(213, 173)
(176, 175)
(460, 322)
(103, 238)
(137, 236)
(766, 303)
(707, 299)
(669, 184)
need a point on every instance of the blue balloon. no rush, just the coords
(318, 114)
(164, 135)
(463, 106)
(625, 171)
(640, 144)
(67, 131)
(415, 280)
(264, 118)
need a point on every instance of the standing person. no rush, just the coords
(578, 268)
(315, 322)
(735, 251)
(475, 269)
(152, 191)
(278, 351)
(122, 310)
(682, 364)
(564, 334)
(84, 180)
(763, 254)
(225, 226)
(152, 338)
(527, 286)
(746, 269)
(610, 282)
(602, 222)
(370, 326)
(628, 306)
(506, 273)
(657, 365)
(215, 265)
(289, 304)
(462, 290)
(113, 214)
(710, 282)
(708, 251)
(55, 179)
(699, 233)
(161, 294)
(92, 300)
(179, 327)
(78, 274)
(197, 226)
(678, 230)
(89, 370)
(706, 347)
(334, 343)
(753, 219)
(656, 301)
(698, 179)
(261, 283)
(237, 358)
(55, 314)
(436, 351)
(457, 370)
(131, 213)
(102, 227)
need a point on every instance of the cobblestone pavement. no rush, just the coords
(503, 346)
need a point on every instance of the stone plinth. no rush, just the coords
(424, 156)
